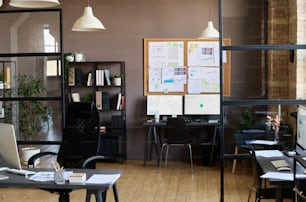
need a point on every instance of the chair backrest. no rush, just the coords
(241, 139)
(176, 129)
(81, 136)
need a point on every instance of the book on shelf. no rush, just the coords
(107, 77)
(89, 79)
(99, 77)
(78, 76)
(122, 102)
(99, 100)
(7, 74)
(106, 101)
(77, 178)
(75, 97)
(118, 107)
(71, 76)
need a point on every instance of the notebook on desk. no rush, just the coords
(9, 156)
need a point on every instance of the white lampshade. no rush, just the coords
(88, 22)
(210, 31)
(34, 3)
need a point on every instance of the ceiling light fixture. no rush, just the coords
(209, 31)
(88, 22)
(34, 3)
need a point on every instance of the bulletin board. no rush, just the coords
(180, 66)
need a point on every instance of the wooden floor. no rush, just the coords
(175, 183)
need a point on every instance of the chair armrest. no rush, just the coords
(93, 158)
(32, 159)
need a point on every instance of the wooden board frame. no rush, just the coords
(226, 66)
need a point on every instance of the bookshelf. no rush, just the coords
(97, 81)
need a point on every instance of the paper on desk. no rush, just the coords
(48, 176)
(103, 179)
(269, 153)
(263, 142)
(281, 176)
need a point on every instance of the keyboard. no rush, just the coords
(20, 172)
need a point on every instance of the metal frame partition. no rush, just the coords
(233, 102)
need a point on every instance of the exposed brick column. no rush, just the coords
(278, 60)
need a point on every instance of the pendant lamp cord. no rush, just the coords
(209, 11)
(88, 3)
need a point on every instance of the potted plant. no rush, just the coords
(32, 114)
(117, 80)
(246, 119)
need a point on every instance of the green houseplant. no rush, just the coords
(246, 119)
(31, 113)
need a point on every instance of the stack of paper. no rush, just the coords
(77, 178)
(103, 179)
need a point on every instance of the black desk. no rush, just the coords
(19, 181)
(267, 166)
(153, 139)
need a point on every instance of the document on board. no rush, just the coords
(103, 179)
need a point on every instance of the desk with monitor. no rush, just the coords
(153, 137)
(199, 111)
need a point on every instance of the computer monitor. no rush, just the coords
(8, 147)
(165, 104)
(301, 129)
(202, 104)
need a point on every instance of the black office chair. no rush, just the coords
(176, 134)
(242, 145)
(80, 144)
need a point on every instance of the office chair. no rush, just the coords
(241, 144)
(176, 134)
(80, 144)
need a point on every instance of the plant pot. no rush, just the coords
(117, 81)
(26, 154)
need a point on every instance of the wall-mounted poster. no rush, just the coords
(185, 66)
(166, 66)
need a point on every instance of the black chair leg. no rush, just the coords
(115, 193)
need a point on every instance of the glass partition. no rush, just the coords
(30, 32)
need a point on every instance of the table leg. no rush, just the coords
(213, 145)
(278, 196)
(64, 197)
(157, 147)
(148, 141)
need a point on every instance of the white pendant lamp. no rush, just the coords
(34, 3)
(88, 22)
(209, 31)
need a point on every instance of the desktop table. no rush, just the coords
(19, 181)
(153, 139)
(267, 166)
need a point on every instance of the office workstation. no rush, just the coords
(200, 112)
(264, 70)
